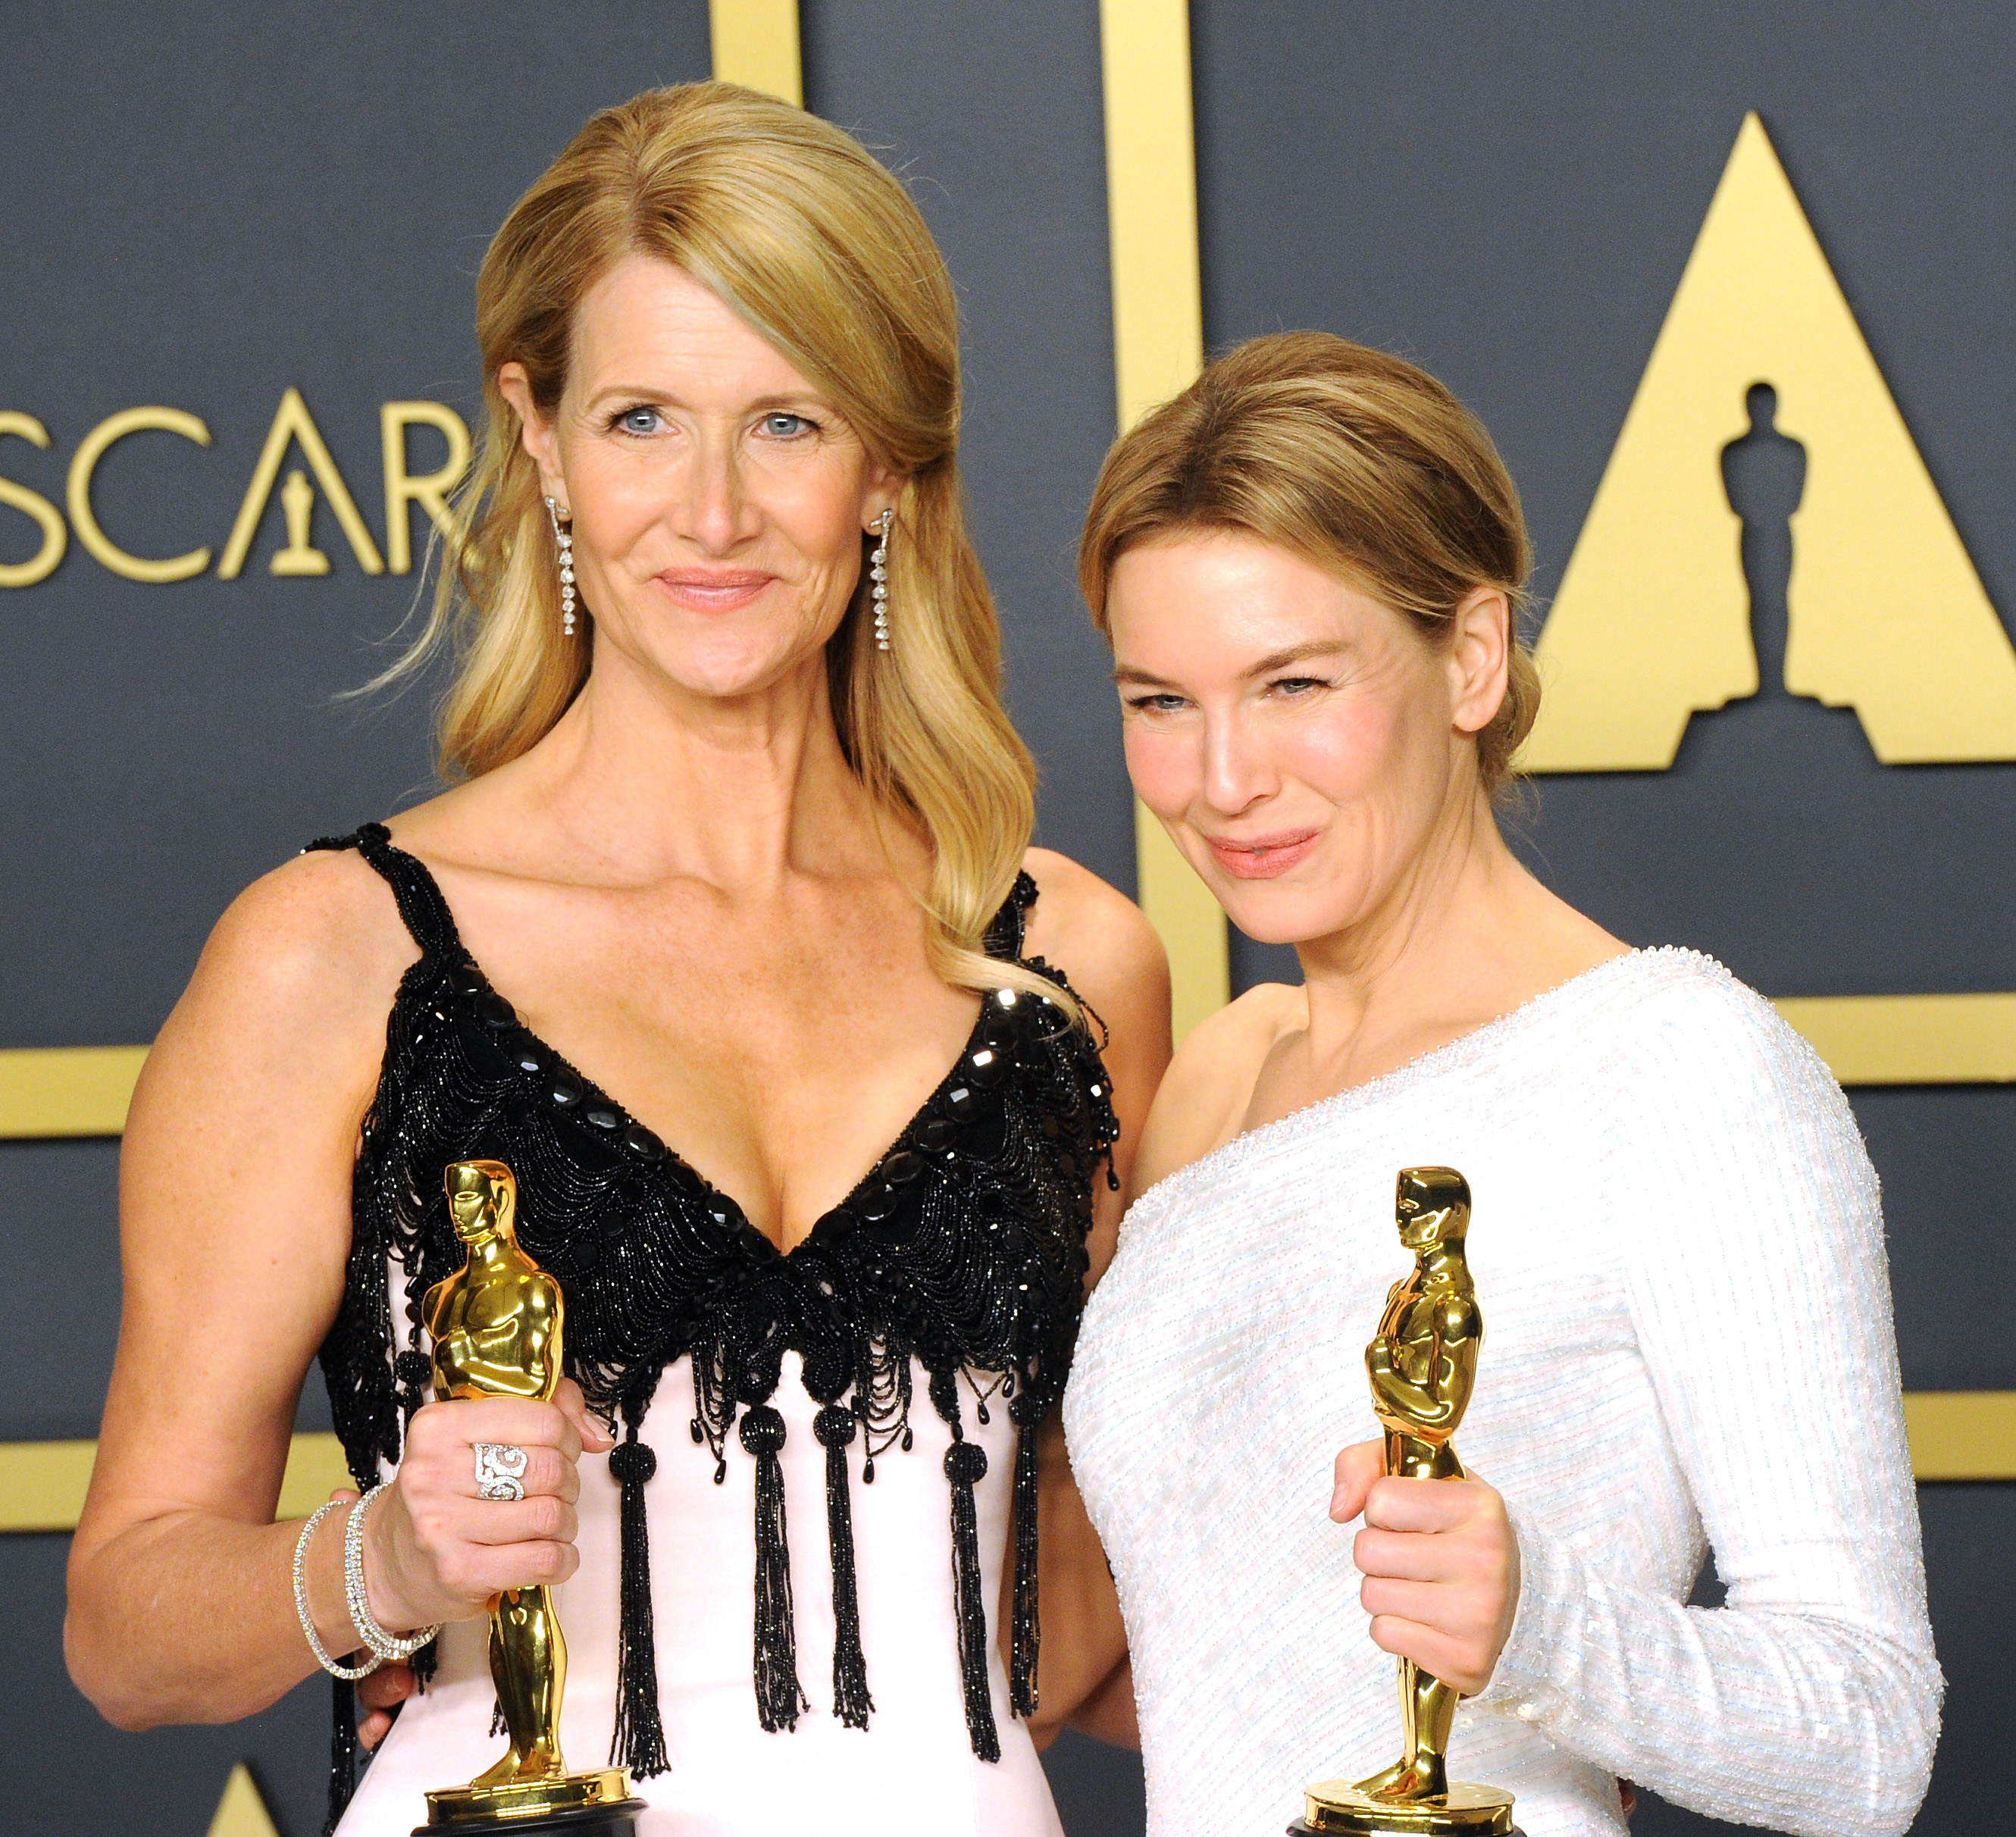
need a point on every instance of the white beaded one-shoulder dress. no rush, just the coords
(1678, 1246)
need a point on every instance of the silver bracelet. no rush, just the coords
(388, 1646)
(349, 1671)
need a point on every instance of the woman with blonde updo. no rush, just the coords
(1308, 565)
(727, 941)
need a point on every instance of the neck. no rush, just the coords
(1447, 924)
(1445, 1262)
(656, 780)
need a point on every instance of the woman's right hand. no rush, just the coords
(436, 1550)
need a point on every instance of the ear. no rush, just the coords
(1479, 657)
(881, 489)
(535, 432)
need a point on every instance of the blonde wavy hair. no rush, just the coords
(823, 252)
(1354, 460)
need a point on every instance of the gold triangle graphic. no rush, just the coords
(1887, 614)
(241, 1812)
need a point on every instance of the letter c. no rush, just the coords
(56, 538)
(178, 567)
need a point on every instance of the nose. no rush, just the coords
(714, 511)
(1237, 771)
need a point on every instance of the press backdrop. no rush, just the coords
(203, 208)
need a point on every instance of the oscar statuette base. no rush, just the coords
(598, 1804)
(1475, 1811)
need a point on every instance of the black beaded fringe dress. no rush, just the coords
(964, 1249)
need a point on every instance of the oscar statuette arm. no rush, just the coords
(1450, 1367)
(1749, 1222)
(508, 1358)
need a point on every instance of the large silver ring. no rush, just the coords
(500, 1470)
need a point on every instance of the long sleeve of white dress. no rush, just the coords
(1677, 1242)
(1759, 1293)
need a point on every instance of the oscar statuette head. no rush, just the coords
(1431, 1206)
(482, 1199)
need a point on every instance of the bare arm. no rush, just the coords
(234, 1203)
(1115, 961)
(235, 1217)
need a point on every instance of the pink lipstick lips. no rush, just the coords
(713, 589)
(1262, 858)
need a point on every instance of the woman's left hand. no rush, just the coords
(1441, 1563)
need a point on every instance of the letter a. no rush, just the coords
(294, 421)
(1887, 614)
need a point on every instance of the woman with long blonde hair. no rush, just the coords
(729, 941)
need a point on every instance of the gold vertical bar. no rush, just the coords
(756, 45)
(1157, 350)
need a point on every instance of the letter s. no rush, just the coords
(55, 534)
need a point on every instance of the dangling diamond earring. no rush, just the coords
(878, 572)
(565, 539)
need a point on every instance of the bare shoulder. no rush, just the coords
(324, 919)
(1203, 1098)
(293, 985)
(1093, 931)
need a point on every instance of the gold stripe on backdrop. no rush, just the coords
(756, 43)
(1910, 1038)
(1962, 1435)
(67, 1090)
(1157, 349)
(42, 1484)
(1955, 1436)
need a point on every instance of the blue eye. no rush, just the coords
(782, 426)
(638, 421)
(1156, 704)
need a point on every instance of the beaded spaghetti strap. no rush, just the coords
(422, 906)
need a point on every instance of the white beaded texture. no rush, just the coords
(878, 575)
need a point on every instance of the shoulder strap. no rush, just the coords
(421, 904)
(1004, 930)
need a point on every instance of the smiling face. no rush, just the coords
(1302, 742)
(718, 499)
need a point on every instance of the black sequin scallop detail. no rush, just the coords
(963, 1249)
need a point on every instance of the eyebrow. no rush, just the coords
(807, 397)
(1298, 653)
(1127, 675)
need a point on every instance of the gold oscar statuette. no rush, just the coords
(495, 1326)
(1422, 1364)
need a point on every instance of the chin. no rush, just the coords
(724, 666)
(1272, 914)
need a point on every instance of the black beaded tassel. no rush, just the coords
(342, 1752)
(638, 1743)
(966, 1466)
(779, 1698)
(1027, 1634)
(835, 1428)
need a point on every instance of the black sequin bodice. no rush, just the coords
(962, 1249)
